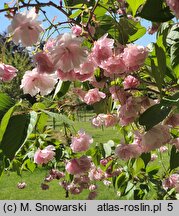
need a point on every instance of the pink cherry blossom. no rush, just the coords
(81, 142)
(7, 72)
(114, 66)
(93, 96)
(155, 138)
(34, 82)
(90, 97)
(44, 63)
(49, 45)
(130, 82)
(68, 53)
(134, 56)
(76, 30)
(45, 155)
(128, 151)
(171, 181)
(129, 111)
(174, 6)
(96, 174)
(78, 165)
(73, 75)
(102, 49)
(25, 28)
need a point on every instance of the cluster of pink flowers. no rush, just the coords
(7, 72)
(128, 151)
(150, 140)
(81, 142)
(45, 155)
(117, 61)
(129, 111)
(65, 58)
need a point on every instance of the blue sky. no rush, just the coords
(51, 12)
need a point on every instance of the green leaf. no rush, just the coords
(120, 180)
(174, 52)
(135, 4)
(156, 11)
(29, 165)
(138, 165)
(140, 32)
(5, 121)
(146, 157)
(72, 3)
(173, 35)
(157, 75)
(42, 122)
(107, 148)
(5, 104)
(76, 14)
(62, 88)
(17, 131)
(174, 158)
(152, 170)
(154, 115)
(38, 106)
(126, 29)
(161, 59)
(59, 117)
(100, 11)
